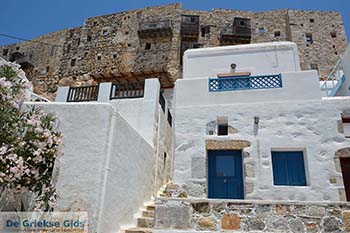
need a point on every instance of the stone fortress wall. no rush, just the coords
(149, 42)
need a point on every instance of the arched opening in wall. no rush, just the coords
(342, 162)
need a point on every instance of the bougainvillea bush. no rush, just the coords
(29, 144)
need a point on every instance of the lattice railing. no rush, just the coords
(245, 83)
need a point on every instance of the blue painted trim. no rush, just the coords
(245, 83)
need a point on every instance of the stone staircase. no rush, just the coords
(145, 222)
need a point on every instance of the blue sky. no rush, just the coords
(31, 18)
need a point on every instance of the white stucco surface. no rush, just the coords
(107, 167)
(259, 59)
(309, 125)
(295, 86)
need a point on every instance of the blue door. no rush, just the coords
(225, 174)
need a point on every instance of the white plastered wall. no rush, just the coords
(103, 166)
(291, 125)
(259, 59)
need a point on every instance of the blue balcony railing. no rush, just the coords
(245, 83)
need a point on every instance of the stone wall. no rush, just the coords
(209, 215)
(44, 53)
(108, 47)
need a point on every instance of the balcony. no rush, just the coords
(239, 33)
(155, 29)
(245, 83)
(189, 26)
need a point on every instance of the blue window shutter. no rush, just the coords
(296, 170)
(288, 168)
(279, 169)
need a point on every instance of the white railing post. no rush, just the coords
(62, 94)
(152, 88)
(104, 92)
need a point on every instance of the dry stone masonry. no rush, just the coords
(150, 42)
(209, 215)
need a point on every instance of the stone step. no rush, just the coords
(145, 222)
(138, 230)
(150, 207)
(148, 214)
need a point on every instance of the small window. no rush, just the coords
(164, 160)
(129, 45)
(222, 126)
(126, 33)
(205, 31)
(105, 32)
(288, 168)
(17, 48)
(88, 38)
(52, 52)
(241, 23)
(98, 57)
(277, 33)
(261, 30)
(5, 52)
(193, 20)
(346, 123)
(47, 69)
(309, 39)
(312, 20)
(148, 46)
(302, 25)
(68, 48)
(95, 23)
(333, 34)
(73, 62)
(114, 56)
(313, 66)
(86, 54)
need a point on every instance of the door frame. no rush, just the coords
(243, 170)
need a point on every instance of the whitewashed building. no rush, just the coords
(251, 126)
(252, 143)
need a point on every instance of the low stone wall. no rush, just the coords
(209, 215)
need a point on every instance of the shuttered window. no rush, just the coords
(288, 168)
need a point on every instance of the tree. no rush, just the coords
(29, 143)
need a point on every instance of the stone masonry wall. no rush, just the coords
(208, 215)
(45, 56)
(108, 47)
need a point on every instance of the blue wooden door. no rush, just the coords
(225, 174)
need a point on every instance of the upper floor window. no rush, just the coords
(205, 31)
(222, 126)
(261, 29)
(312, 20)
(288, 168)
(309, 39)
(313, 66)
(333, 34)
(277, 33)
(73, 62)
